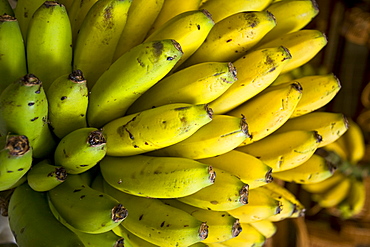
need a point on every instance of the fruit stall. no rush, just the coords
(143, 123)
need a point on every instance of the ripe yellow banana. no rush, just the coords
(197, 84)
(325, 185)
(130, 239)
(313, 170)
(354, 203)
(232, 37)
(227, 193)
(13, 56)
(250, 169)
(354, 141)
(266, 66)
(250, 237)
(154, 128)
(156, 177)
(117, 88)
(283, 151)
(98, 37)
(303, 45)
(49, 43)
(265, 227)
(269, 110)
(329, 125)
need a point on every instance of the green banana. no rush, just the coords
(76, 204)
(68, 101)
(80, 150)
(27, 230)
(44, 176)
(154, 128)
(49, 43)
(117, 88)
(130, 239)
(6, 8)
(109, 239)
(15, 159)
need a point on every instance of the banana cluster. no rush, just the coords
(159, 122)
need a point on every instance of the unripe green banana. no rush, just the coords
(49, 43)
(44, 176)
(15, 159)
(6, 8)
(68, 101)
(129, 77)
(80, 150)
(13, 62)
(29, 118)
(154, 128)
(158, 223)
(227, 193)
(130, 239)
(108, 239)
(76, 204)
(27, 230)
(156, 177)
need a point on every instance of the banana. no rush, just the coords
(197, 84)
(67, 103)
(354, 202)
(109, 239)
(220, 9)
(13, 56)
(267, 65)
(131, 240)
(318, 90)
(172, 176)
(6, 8)
(291, 16)
(265, 227)
(222, 134)
(250, 237)
(250, 169)
(140, 18)
(49, 43)
(284, 151)
(329, 125)
(44, 176)
(154, 128)
(338, 147)
(80, 150)
(269, 110)
(221, 225)
(29, 118)
(232, 37)
(227, 193)
(117, 88)
(189, 28)
(355, 142)
(15, 159)
(158, 223)
(98, 37)
(325, 185)
(27, 230)
(313, 170)
(76, 204)
(68, 4)
(303, 45)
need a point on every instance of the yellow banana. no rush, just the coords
(220, 9)
(355, 142)
(329, 125)
(354, 203)
(189, 28)
(269, 110)
(291, 16)
(250, 237)
(130, 239)
(338, 147)
(250, 169)
(98, 37)
(265, 227)
(117, 88)
(266, 66)
(313, 170)
(197, 84)
(227, 193)
(232, 37)
(222, 134)
(325, 185)
(49, 43)
(173, 176)
(140, 18)
(303, 45)
(13, 56)
(283, 151)
(154, 128)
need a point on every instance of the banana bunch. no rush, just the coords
(160, 123)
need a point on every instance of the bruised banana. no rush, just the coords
(250, 169)
(117, 88)
(156, 177)
(154, 128)
(197, 84)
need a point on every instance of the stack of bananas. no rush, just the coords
(159, 123)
